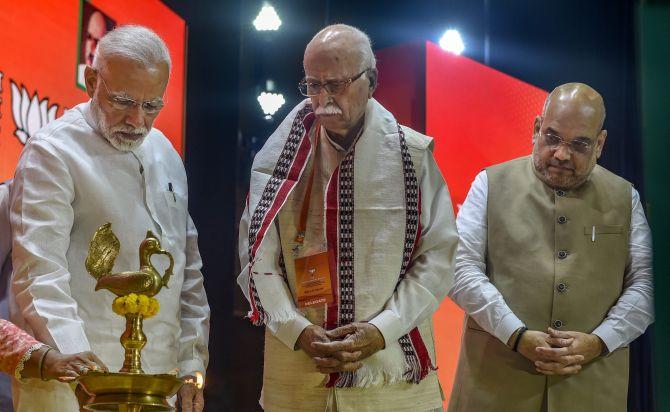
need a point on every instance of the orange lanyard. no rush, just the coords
(302, 223)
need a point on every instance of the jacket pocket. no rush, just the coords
(603, 230)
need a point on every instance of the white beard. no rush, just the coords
(125, 145)
(111, 133)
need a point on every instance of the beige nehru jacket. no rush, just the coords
(542, 258)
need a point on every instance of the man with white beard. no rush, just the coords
(103, 162)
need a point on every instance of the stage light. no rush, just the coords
(451, 41)
(267, 19)
(270, 102)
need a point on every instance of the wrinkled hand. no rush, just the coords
(67, 368)
(349, 345)
(309, 335)
(190, 398)
(570, 350)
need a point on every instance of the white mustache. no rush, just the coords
(140, 131)
(328, 110)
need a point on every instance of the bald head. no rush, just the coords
(341, 39)
(579, 101)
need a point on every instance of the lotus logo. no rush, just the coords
(30, 113)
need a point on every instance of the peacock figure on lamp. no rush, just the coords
(135, 289)
(130, 389)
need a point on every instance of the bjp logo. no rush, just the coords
(30, 112)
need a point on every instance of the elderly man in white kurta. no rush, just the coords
(346, 245)
(102, 161)
(554, 271)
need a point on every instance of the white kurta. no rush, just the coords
(69, 181)
(473, 291)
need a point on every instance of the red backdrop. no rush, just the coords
(478, 117)
(39, 54)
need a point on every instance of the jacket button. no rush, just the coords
(560, 193)
(562, 254)
(562, 219)
(558, 324)
(561, 287)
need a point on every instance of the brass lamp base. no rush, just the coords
(126, 392)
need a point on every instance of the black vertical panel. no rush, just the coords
(211, 135)
(593, 42)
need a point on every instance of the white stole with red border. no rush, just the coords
(276, 170)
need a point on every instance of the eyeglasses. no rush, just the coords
(312, 88)
(122, 103)
(575, 146)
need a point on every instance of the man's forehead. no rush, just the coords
(121, 66)
(96, 24)
(569, 124)
(571, 111)
(131, 77)
(335, 62)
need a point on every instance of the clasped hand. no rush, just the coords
(559, 353)
(341, 349)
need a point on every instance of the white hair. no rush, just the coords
(365, 44)
(134, 42)
(360, 39)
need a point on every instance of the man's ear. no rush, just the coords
(536, 128)
(90, 79)
(372, 77)
(600, 142)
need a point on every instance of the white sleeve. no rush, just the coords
(194, 339)
(286, 322)
(42, 218)
(472, 289)
(430, 274)
(634, 310)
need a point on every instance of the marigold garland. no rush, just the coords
(134, 303)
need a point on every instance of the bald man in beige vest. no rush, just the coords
(553, 270)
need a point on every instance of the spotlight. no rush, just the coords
(267, 19)
(451, 41)
(270, 102)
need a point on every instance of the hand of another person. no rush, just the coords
(190, 398)
(568, 348)
(66, 368)
(349, 345)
